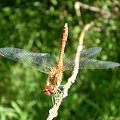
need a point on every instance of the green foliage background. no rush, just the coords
(37, 26)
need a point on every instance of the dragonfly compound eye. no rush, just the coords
(49, 90)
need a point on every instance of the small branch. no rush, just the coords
(78, 13)
(72, 79)
(53, 112)
(79, 5)
(91, 8)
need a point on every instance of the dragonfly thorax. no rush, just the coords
(54, 76)
(53, 81)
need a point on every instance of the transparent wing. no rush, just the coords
(97, 64)
(90, 52)
(69, 62)
(40, 61)
(87, 63)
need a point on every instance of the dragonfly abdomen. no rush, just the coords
(64, 40)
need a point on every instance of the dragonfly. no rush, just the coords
(44, 62)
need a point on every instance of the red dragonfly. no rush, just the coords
(44, 62)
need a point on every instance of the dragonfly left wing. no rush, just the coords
(40, 61)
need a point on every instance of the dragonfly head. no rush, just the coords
(49, 90)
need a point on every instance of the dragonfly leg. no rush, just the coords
(58, 92)
(60, 88)
(53, 100)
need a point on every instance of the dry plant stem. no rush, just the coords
(78, 13)
(91, 8)
(79, 5)
(53, 112)
(72, 79)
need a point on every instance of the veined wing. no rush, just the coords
(97, 64)
(86, 53)
(40, 61)
(87, 63)
(90, 52)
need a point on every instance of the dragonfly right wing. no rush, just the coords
(90, 52)
(97, 64)
(85, 53)
(86, 63)
(40, 61)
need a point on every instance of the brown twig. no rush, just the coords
(53, 112)
(72, 79)
(91, 8)
(79, 5)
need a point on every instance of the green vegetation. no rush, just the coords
(37, 26)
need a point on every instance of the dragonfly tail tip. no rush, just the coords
(66, 24)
